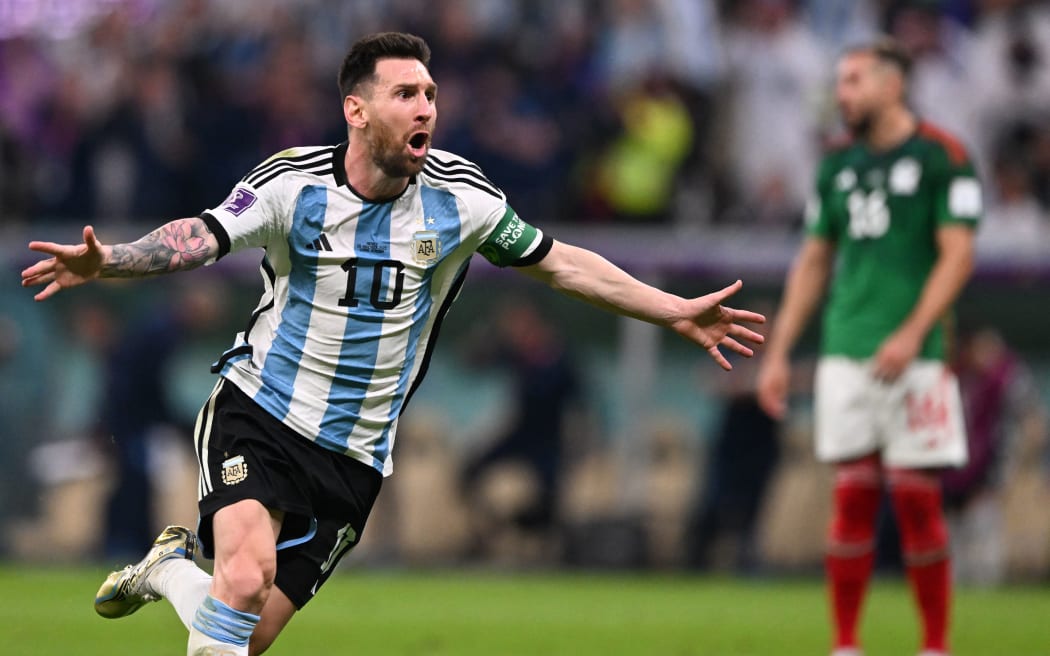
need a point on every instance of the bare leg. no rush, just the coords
(278, 610)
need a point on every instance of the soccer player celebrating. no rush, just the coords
(892, 224)
(366, 245)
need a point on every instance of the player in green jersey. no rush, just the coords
(891, 226)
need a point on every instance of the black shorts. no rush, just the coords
(245, 453)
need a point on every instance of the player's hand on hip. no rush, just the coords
(894, 355)
(710, 324)
(69, 266)
(774, 379)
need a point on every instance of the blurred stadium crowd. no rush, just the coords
(594, 113)
(693, 111)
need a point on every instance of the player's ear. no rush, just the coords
(354, 111)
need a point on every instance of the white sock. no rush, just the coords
(183, 584)
(203, 645)
(220, 630)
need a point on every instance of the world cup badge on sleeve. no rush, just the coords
(239, 200)
(426, 247)
(234, 470)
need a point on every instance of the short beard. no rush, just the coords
(389, 155)
(861, 128)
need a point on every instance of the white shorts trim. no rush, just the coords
(915, 421)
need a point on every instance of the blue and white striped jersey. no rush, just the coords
(355, 290)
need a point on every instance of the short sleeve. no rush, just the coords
(513, 242)
(818, 210)
(249, 217)
(958, 197)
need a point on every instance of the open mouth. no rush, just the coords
(417, 143)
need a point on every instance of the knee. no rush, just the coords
(246, 579)
(858, 493)
(917, 507)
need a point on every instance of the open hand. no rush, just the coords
(710, 324)
(69, 266)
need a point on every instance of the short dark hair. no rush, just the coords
(359, 65)
(888, 51)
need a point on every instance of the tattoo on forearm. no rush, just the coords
(179, 245)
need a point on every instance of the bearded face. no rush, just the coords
(397, 154)
(864, 88)
(399, 111)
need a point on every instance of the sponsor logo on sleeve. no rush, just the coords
(240, 199)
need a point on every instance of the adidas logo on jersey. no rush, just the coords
(320, 244)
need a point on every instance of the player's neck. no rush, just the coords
(892, 128)
(367, 179)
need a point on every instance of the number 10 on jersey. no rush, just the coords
(379, 298)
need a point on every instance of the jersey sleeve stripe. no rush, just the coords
(469, 181)
(432, 158)
(298, 160)
(220, 233)
(458, 168)
(319, 170)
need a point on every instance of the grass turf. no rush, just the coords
(48, 612)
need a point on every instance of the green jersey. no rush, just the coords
(882, 211)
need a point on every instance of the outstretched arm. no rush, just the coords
(703, 320)
(176, 246)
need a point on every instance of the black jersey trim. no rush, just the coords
(453, 292)
(320, 169)
(473, 182)
(299, 161)
(339, 164)
(220, 233)
(243, 349)
(537, 254)
(271, 275)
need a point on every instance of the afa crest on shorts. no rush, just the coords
(234, 470)
(426, 246)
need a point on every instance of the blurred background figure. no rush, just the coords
(137, 411)
(1002, 410)
(24, 399)
(517, 477)
(778, 82)
(741, 460)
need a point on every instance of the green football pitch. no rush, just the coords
(48, 611)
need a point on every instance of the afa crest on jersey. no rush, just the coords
(234, 470)
(426, 246)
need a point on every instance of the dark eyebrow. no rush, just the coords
(432, 86)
